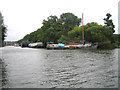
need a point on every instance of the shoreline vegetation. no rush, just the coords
(68, 28)
(3, 30)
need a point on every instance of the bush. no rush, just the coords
(106, 46)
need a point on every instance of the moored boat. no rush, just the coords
(36, 45)
(71, 46)
(25, 44)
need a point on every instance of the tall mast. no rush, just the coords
(82, 29)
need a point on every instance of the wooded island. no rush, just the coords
(68, 28)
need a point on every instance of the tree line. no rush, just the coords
(68, 28)
(3, 30)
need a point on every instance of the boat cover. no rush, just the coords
(60, 45)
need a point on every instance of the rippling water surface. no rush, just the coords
(41, 68)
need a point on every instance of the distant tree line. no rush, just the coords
(68, 28)
(3, 30)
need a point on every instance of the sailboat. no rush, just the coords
(80, 44)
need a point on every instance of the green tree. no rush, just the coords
(51, 29)
(51, 20)
(69, 20)
(97, 34)
(73, 35)
(25, 38)
(40, 35)
(63, 38)
(3, 30)
(91, 24)
(108, 22)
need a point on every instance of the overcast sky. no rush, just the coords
(25, 16)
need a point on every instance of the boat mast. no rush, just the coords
(82, 29)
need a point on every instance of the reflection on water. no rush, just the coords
(41, 68)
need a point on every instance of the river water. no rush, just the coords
(41, 68)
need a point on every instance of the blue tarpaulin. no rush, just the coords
(80, 41)
(60, 45)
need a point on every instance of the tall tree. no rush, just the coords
(108, 22)
(69, 20)
(3, 30)
(49, 30)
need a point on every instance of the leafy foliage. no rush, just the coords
(3, 30)
(53, 28)
(108, 22)
(69, 20)
(93, 33)
(73, 35)
(98, 33)
(67, 28)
